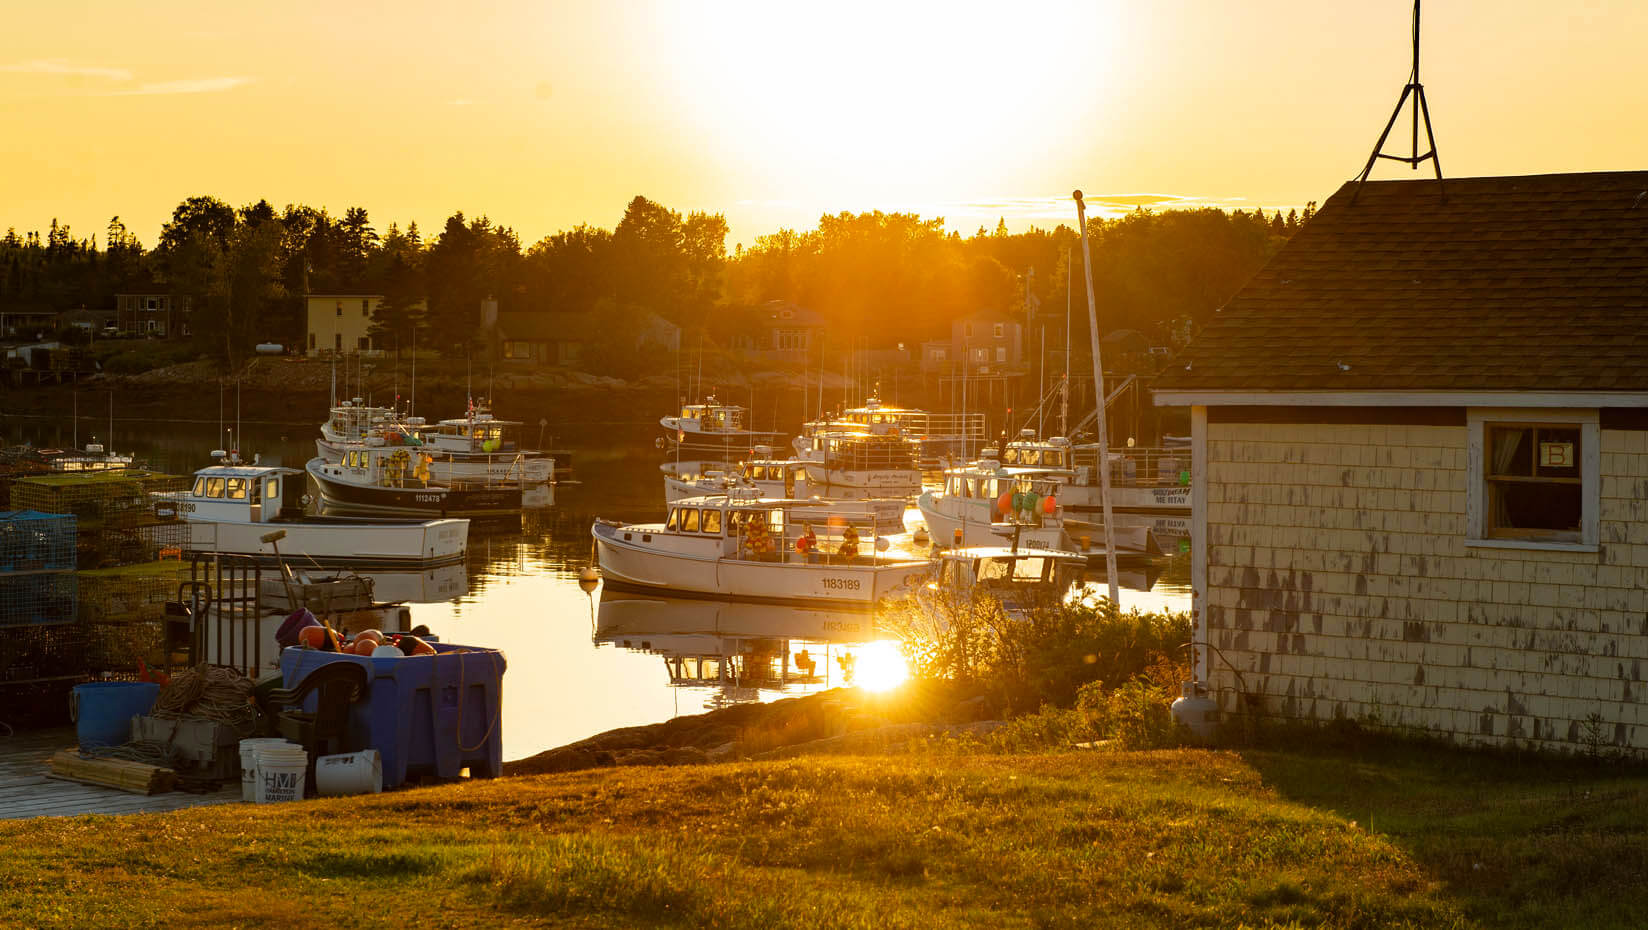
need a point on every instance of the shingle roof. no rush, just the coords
(1535, 283)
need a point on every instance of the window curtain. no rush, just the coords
(1505, 444)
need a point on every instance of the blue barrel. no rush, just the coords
(103, 710)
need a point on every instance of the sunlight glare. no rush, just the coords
(869, 96)
(880, 666)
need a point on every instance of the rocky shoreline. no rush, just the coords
(839, 720)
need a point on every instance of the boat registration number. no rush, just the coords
(841, 584)
(427, 498)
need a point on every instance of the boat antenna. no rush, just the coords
(413, 410)
(109, 448)
(1099, 399)
(75, 398)
(1420, 108)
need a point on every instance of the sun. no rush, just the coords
(880, 666)
(870, 98)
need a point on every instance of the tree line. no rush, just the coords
(876, 278)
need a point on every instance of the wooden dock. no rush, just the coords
(27, 790)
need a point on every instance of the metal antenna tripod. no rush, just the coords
(1420, 108)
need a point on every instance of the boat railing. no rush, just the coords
(1139, 467)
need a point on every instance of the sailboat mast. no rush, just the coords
(1098, 399)
(1064, 404)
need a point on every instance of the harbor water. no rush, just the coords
(583, 663)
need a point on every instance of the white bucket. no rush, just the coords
(248, 763)
(349, 773)
(280, 773)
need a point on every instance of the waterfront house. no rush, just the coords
(156, 315)
(987, 340)
(341, 324)
(1420, 440)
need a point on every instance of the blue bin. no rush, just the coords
(425, 715)
(103, 710)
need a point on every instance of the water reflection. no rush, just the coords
(569, 675)
(735, 650)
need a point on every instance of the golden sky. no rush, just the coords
(544, 114)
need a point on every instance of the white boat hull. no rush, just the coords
(335, 544)
(943, 523)
(630, 562)
(840, 483)
(1084, 499)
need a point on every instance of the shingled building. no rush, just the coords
(1421, 466)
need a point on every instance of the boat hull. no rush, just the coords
(629, 563)
(341, 498)
(525, 467)
(943, 526)
(840, 482)
(328, 544)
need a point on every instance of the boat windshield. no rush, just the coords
(1013, 569)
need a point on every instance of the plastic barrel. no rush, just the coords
(103, 710)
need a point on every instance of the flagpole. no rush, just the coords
(1098, 399)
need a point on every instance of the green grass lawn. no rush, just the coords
(1183, 838)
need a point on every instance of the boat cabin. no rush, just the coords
(866, 452)
(759, 530)
(1002, 569)
(1029, 452)
(381, 466)
(234, 494)
(479, 433)
(353, 420)
(710, 418)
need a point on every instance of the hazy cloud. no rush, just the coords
(210, 85)
(59, 66)
(461, 102)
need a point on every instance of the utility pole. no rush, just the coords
(1098, 400)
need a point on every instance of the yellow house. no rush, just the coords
(339, 323)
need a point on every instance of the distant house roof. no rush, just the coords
(790, 313)
(987, 315)
(1535, 283)
(538, 326)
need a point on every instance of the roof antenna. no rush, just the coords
(1419, 108)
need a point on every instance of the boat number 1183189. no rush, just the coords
(845, 584)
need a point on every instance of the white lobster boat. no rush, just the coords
(937, 439)
(968, 510)
(707, 547)
(862, 464)
(477, 446)
(1144, 482)
(776, 480)
(714, 429)
(232, 508)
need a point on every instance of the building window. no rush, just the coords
(1001, 353)
(966, 330)
(364, 311)
(337, 342)
(363, 343)
(1001, 330)
(340, 308)
(151, 303)
(311, 340)
(1535, 479)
